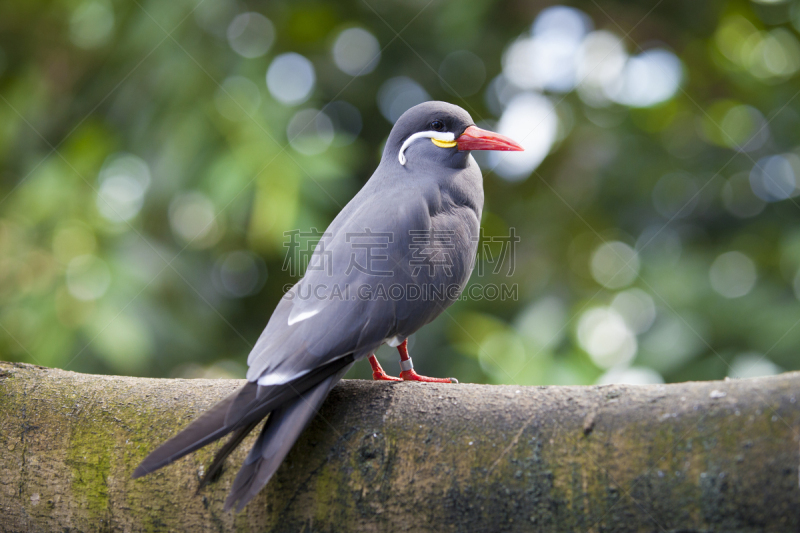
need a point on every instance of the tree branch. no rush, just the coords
(711, 456)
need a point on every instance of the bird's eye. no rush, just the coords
(437, 125)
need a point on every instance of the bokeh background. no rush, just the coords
(154, 155)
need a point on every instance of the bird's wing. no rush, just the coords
(326, 314)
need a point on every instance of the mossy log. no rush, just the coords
(712, 456)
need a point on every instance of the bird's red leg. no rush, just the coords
(407, 368)
(377, 372)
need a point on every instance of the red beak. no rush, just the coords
(475, 138)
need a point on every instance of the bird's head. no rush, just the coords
(441, 133)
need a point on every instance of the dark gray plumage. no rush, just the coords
(311, 342)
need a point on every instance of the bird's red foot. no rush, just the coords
(383, 376)
(377, 372)
(407, 368)
(411, 375)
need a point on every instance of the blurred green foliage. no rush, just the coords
(147, 183)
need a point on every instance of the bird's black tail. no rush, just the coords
(241, 412)
(277, 437)
(215, 468)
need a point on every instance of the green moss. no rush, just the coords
(89, 459)
(328, 484)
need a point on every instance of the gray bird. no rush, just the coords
(398, 254)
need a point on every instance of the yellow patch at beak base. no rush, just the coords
(444, 144)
